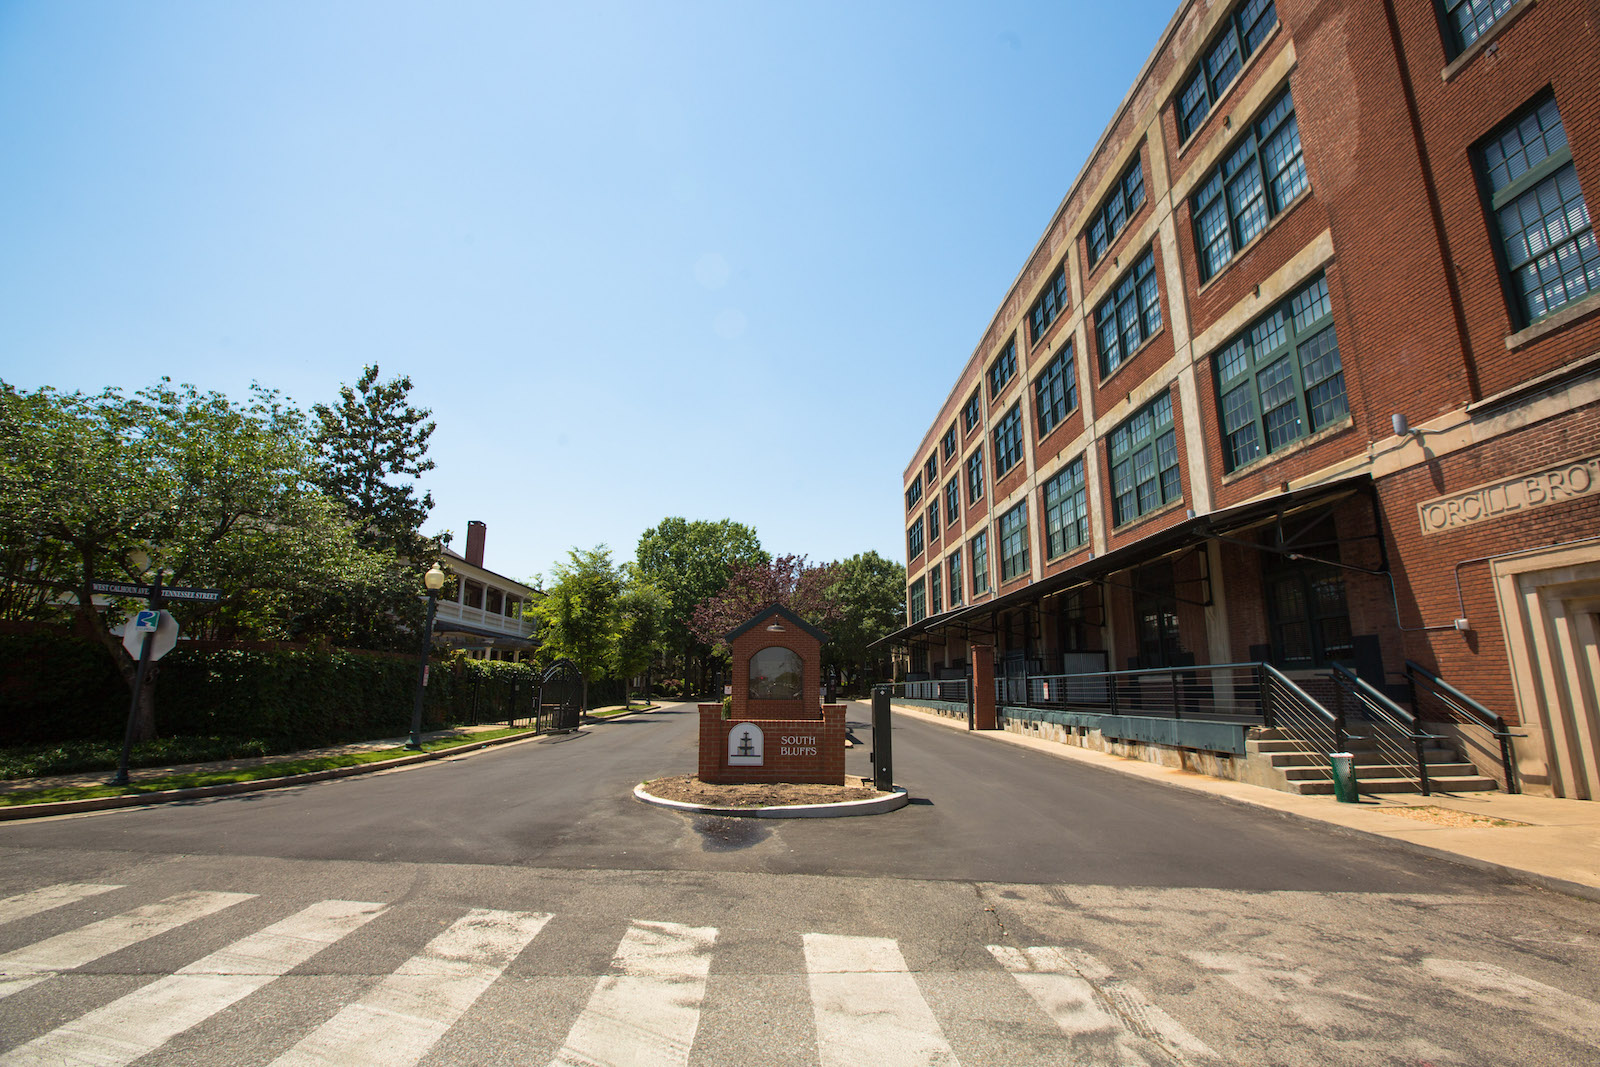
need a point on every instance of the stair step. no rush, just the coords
(1439, 758)
(1456, 784)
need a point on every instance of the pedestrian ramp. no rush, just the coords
(472, 989)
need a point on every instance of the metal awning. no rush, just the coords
(1174, 538)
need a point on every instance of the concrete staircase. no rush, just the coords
(1295, 766)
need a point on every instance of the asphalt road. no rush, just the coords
(518, 906)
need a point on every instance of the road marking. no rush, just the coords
(52, 896)
(648, 1014)
(1560, 1011)
(867, 1006)
(144, 1020)
(403, 1016)
(1086, 1001)
(34, 963)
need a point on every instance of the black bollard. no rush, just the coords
(882, 741)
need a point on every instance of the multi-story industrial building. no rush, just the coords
(1305, 370)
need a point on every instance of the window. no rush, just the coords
(1242, 34)
(1260, 177)
(1066, 511)
(935, 590)
(975, 477)
(919, 601)
(933, 520)
(1546, 235)
(914, 540)
(980, 563)
(953, 565)
(1306, 605)
(948, 445)
(952, 500)
(972, 412)
(1155, 616)
(1144, 461)
(1281, 379)
(775, 674)
(1008, 441)
(914, 494)
(1002, 369)
(930, 470)
(1114, 214)
(1055, 392)
(1014, 543)
(1130, 316)
(1470, 18)
(1051, 303)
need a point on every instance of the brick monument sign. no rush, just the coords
(779, 730)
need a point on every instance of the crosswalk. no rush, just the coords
(867, 1005)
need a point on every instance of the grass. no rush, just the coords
(277, 769)
(70, 757)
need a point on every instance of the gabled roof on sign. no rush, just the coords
(766, 613)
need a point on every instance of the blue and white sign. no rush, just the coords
(147, 621)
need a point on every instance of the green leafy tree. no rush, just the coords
(868, 595)
(174, 481)
(690, 562)
(641, 628)
(371, 448)
(578, 614)
(787, 580)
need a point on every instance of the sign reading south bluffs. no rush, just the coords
(778, 729)
(1510, 496)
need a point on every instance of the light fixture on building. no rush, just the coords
(1401, 426)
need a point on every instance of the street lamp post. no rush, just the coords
(434, 580)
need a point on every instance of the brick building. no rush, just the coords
(1306, 370)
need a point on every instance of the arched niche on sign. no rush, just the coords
(775, 674)
(746, 745)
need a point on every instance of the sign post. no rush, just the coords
(145, 643)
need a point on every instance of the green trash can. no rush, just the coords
(1344, 777)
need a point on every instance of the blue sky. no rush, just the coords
(711, 260)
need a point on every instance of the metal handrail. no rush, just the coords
(1464, 705)
(1391, 714)
(1283, 700)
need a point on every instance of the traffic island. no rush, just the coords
(771, 800)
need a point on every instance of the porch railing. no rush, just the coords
(1396, 734)
(1297, 716)
(1221, 692)
(1459, 708)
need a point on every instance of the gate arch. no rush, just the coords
(560, 694)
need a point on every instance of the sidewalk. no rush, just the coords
(1548, 842)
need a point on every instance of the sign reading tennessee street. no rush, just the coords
(168, 592)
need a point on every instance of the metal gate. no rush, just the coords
(560, 696)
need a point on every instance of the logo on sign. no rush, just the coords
(147, 621)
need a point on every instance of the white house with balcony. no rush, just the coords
(486, 617)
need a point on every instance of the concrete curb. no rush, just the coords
(14, 812)
(838, 810)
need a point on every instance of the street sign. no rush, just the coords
(178, 592)
(147, 621)
(162, 639)
(120, 589)
(168, 592)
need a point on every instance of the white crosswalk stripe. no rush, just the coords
(867, 1006)
(52, 896)
(34, 963)
(646, 1015)
(1508, 991)
(1094, 1008)
(144, 1020)
(401, 1018)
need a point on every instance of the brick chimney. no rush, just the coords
(475, 532)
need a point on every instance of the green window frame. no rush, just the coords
(914, 540)
(952, 500)
(1008, 441)
(979, 549)
(948, 444)
(1242, 33)
(1281, 379)
(973, 412)
(953, 566)
(1050, 305)
(1125, 199)
(935, 590)
(975, 476)
(1131, 315)
(1013, 534)
(1547, 243)
(1470, 19)
(930, 469)
(1003, 369)
(1055, 391)
(1256, 181)
(1307, 612)
(914, 493)
(1066, 511)
(1144, 462)
(933, 521)
(918, 608)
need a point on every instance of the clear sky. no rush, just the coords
(710, 260)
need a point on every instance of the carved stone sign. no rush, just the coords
(745, 745)
(1510, 496)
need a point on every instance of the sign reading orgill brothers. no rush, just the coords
(779, 730)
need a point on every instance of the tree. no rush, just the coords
(371, 447)
(868, 594)
(787, 580)
(641, 628)
(579, 613)
(690, 562)
(173, 481)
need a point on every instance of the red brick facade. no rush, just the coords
(807, 751)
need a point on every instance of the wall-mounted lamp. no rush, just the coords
(1401, 426)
